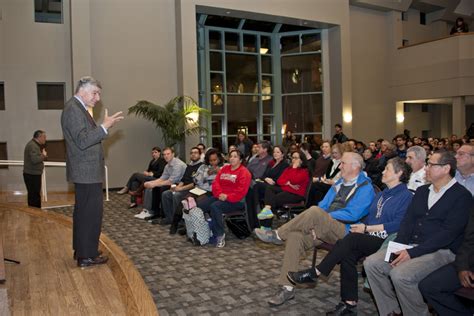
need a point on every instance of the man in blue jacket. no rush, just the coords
(433, 225)
(346, 203)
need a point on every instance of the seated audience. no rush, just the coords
(257, 192)
(339, 137)
(322, 162)
(253, 154)
(459, 27)
(321, 185)
(374, 171)
(456, 144)
(439, 287)
(171, 199)
(228, 190)
(203, 179)
(154, 171)
(385, 215)
(465, 166)
(258, 165)
(416, 157)
(291, 188)
(172, 174)
(288, 140)
(346, 202)
(202, 148)
(305, 148)
(401, 143)
(433, 226)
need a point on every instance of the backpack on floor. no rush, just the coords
(238, 226)
(197, 228)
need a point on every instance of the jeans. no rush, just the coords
(216, 208)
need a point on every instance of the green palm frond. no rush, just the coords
(173, 118)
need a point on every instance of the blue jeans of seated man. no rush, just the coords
(216, 208)
(170, 201)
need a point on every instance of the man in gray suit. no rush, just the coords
(85, 168)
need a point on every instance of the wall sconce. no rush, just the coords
(347, 117)
(400, 118)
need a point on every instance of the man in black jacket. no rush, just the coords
(438, 288)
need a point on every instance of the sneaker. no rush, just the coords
(123, 191)
(145, 213)
(269, 236)
(220, 241)
(343, 309)
(265, 214)
(265, 228)
(283, 295)
(307, 277)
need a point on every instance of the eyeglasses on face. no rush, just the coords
(431, 164)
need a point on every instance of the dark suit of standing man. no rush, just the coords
(33, 166)
(85, 168)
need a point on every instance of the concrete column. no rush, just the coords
(399, 117)
(459, 116)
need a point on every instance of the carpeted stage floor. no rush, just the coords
(235, 280)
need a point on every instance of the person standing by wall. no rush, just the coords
(33, 166)
(85, 168)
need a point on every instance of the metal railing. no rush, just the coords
(44, 189)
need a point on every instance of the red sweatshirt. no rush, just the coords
(298, 176)
(233, 183)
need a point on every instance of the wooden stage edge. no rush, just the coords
(135, 294)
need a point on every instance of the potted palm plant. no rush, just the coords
(177, 119)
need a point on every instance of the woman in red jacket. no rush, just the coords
(228, 190)
(292, 185)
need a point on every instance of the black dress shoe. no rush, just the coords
(160, 221)
(182, 231)
(75, 254)
(307, 276)
(173, 229)
(343, 309)
(87, 262)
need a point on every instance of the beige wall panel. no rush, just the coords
(373, 113)
(133, 51)
(31, 52)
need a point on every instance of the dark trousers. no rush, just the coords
(156, 201)
(276, 197)
(216, 208)
(87, 219)
(33, 186)
(136, 180)
(347, 252)
(438, 289)
(254, 195)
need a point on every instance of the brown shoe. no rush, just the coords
(87, 262)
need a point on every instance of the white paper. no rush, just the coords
(198, 191)
(395, 247)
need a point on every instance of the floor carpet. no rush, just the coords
(192, 280)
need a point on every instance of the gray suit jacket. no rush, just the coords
(83, 137)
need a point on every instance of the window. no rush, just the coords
(256, 76)
(2, 96)
(406, 107)
(424, 108)
(422, 18)
(56, 150)
(404, 16)
(50, 96)
(3, 154)
(49, 11)
(405, 42)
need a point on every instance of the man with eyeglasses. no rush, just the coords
(346, 202)
(434, 225)
(465, 164)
